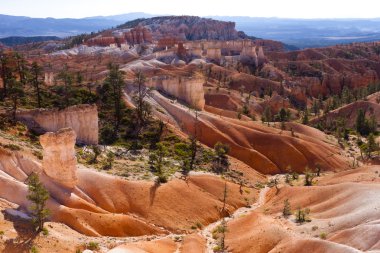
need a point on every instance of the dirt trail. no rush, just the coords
(207, 231)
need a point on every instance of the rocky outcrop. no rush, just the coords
(101, 41)
(248, 55)
(261, 57)
(214, 54)
(49, 78)
(170, 53)
(138, 35)
(190, 90)
(83, 119)
(231, 47)
(275, 103)
(16, 165)
(59, 161)
(245, 50)
(189, 28)
(325, 71)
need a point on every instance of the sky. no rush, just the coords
(253, 8)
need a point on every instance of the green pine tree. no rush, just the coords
(305, 118)
(361, 122)
(38, 195)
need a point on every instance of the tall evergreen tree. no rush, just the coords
(143, 110)
(220, 162)
(267, 116)
(66, 77)
(283, 115)
(36, 82)
(372, 146)
(114, 83)
(38, 195)
(6, 74)
(315, 108)
(305, 118)
(16, 92)
(193, 148)
(361, 122)
(21, 68)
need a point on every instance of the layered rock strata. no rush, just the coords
(83, 119)
(189, 90)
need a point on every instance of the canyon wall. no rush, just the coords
(59, 160)
(83, 119)
(101, 41)
(190, 90)
(248, 55)
(165, 53)
(214, 54)
(246, 50)
(232, 45)
(137, 35)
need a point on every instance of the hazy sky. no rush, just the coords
(254, 8)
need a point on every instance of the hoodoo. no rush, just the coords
(59, 161)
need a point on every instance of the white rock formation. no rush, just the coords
(59, 160)
(214, 53)
(83, 119)
(261, 57)
(49, 78)
(248, 55)
(189, 90)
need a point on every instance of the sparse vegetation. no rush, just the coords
(309, 177)
(157, 162)
(302, 215)
(365, 126)
(12, 147)
(220, 161)
(92, 246)
(34, 249)
(108, 162)
(286, 211)
(267, 115)
(97, 151)
(45, 231)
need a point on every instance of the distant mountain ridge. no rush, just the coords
(19, 40)
(308, 33)
(302, 33)
(27, 27)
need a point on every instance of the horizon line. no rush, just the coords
(207, 16)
